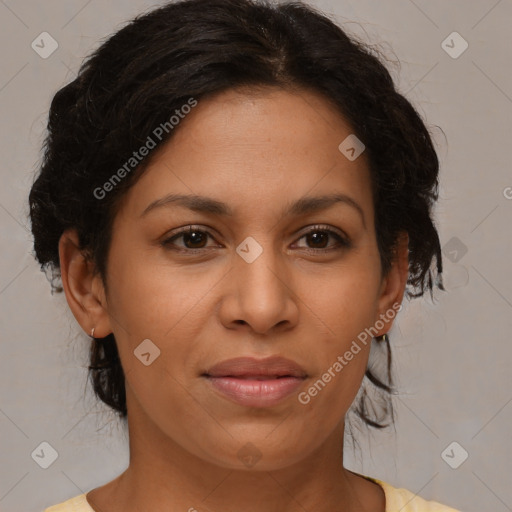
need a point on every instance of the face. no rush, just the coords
(255, 269)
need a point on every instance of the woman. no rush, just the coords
(236, 200)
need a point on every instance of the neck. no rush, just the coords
(162, 475)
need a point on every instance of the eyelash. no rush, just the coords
(344, 243)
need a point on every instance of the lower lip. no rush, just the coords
(256, 393)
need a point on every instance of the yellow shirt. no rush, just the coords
(397, 500)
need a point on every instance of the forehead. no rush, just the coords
(266, 145)
(267, 117)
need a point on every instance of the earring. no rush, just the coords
(92, 332)
(384, 338)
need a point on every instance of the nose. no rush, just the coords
(260, 295)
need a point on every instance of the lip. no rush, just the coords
(256, 382)
(251, 367)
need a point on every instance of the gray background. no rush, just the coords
(452, 356)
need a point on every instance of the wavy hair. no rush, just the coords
(137, 78)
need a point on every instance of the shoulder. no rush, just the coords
(77, 504)
(398, 499)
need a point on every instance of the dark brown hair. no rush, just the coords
(138, 78)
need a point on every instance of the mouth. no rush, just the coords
(258, 369)
(256, 383)
(255, 391)
(249, 377)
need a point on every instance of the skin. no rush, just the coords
(256, 152)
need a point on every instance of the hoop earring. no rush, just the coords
(92, 332)
(384, 338)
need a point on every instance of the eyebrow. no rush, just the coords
(302, 206)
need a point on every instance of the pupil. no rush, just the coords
(194, 237)
(316, 237)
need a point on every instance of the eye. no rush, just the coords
(192, 236)
(194, 239)
(319, 236)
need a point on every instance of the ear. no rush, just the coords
(84, 291)
(393, 284)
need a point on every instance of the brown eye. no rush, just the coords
(317, 240)
(193, 238)
(318, 237)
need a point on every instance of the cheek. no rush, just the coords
(154, 298)
(346, 299)
(344, 307)
(164, 303)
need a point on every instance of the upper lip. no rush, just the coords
(251, 367)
